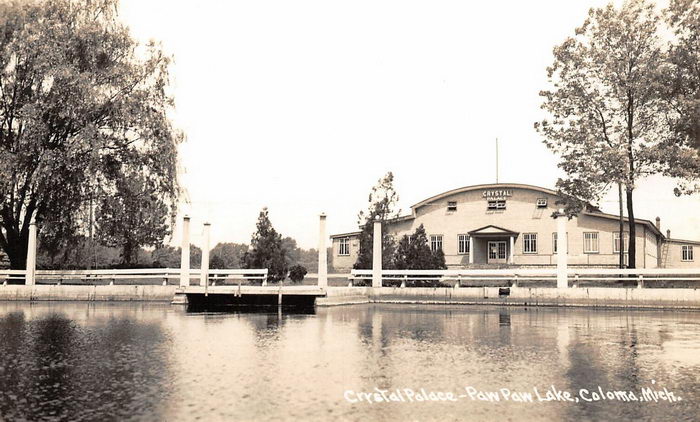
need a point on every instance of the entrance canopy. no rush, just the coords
(492, 231)
(500, 245)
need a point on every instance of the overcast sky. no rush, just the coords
(302, 105)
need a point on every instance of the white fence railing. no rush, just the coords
(514, 276)
(112, 276)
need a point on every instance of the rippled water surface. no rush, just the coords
(93, 362)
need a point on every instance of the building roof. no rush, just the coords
(689, 242)
(350, 234)
(478, 187)
(593, 212)
(642, 221)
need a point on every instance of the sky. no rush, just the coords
(301, 106)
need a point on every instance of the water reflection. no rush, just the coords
(56, 369)
(155, 362)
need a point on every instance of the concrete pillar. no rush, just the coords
(471, 249)
(562, 281)
(30, 278)
(511, 250)
(185, 255)
(204, 272)
(322, 255)
(377, 255)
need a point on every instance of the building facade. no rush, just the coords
(513, 225)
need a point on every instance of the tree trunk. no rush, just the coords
(622, 226)
(15, 243)
(127, 252)
(632, 254)
(17, 254)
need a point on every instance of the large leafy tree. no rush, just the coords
(382, 207)
(266, 250)
(83, 108)
(681, 83)
(413, 253)
(683, 17)
(608, 121)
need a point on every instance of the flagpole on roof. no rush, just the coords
(496, 160)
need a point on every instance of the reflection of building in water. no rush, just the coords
(511, 224)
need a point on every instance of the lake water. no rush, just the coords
(80, 361)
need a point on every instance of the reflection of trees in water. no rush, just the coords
(12, 368)
(63, 371)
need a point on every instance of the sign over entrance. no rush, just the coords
(499, 194)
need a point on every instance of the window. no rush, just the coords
(687, 253)
(590, 242)
(452, 206)
(463, 244)
(497, 250)
(435, 242)
(530, 243)
(496, 204)
(344, 246)
(541, 202)
(616, 242)
(555, 235)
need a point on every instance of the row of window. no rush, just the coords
(590, 244)
(530, 245)
(496, 204)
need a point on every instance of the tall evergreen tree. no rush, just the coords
(266, 250)
(413, 253)
(382, 207)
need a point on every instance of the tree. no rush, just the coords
(683, 80)
(216, 263)
(608, 122)
(413, 253)
(292, 252)
(297, 273)
(680, 82)
(229, 253)
(135, 216)
(169, 257)
(382, 207)
(81, 107)
(266, 250)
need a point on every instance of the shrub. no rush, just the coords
(297, 273)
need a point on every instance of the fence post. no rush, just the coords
(403, 282)
(515, 280)
(204, 267)
(377, 255)
(185, 255)
(562, 280)
(30, 275)
(575, 280)
(322, 254)
(640, 281)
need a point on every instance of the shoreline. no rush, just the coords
(594, 297)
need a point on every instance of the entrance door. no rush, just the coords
(497, 252)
